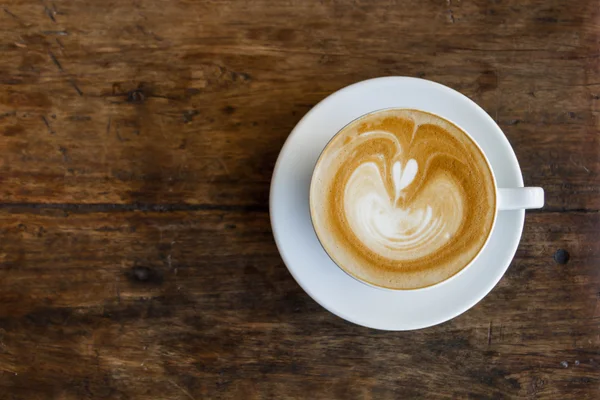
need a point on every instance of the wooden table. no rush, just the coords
(138, 140)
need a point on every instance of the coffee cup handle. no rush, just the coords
(520, 198)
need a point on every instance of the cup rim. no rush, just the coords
(422, 288)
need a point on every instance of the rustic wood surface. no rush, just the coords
(138, 140)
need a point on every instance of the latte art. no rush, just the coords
(402, 199)
(396, 232)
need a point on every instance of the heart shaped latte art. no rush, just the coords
(400, 232)
(402, 199)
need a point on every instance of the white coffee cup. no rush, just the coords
(507, 199)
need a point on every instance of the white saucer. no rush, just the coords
(313, 269)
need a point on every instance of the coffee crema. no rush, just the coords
(402, 199)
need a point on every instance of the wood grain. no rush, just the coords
(138, 141)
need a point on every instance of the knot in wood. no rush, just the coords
(141, 274)
(136, 96)
(561, 256)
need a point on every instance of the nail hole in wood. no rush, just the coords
(561, 256)
(145, 275)
(141, 274)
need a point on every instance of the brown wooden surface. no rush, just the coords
(138, 140)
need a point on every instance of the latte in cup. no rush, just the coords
(402, 199)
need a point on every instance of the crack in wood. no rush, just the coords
(74, 84)
(8, 12)
(61, 69)
(182, 389)
(127, 207)
(65, 154)
(55, 61)
(8, 114)
(450, 13)
(47, 123)
(50, 13)
(137, 96)
(57, 33)
(564, 210)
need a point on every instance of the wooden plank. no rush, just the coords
(132, 304)
(190, 103)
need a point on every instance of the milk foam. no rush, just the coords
(399, 233)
